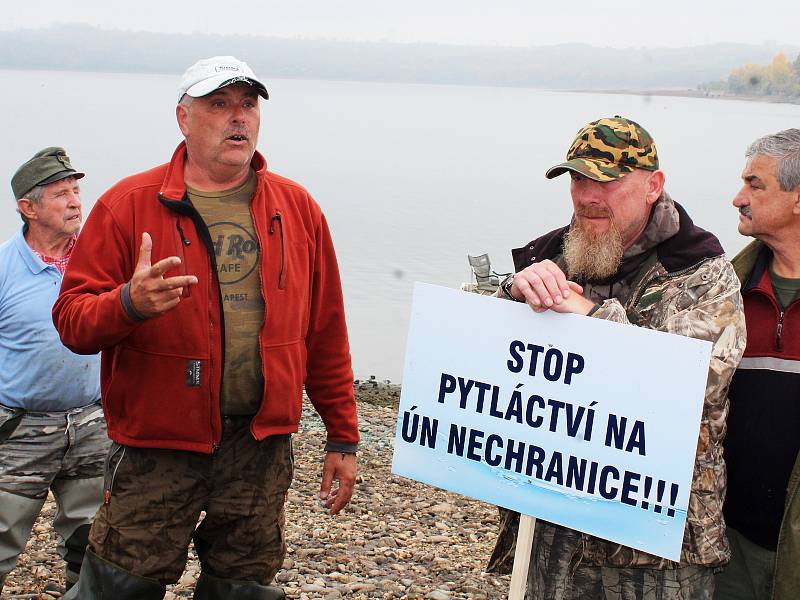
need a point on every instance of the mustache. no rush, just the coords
(593, 212)
(745, 211)
(240, 131)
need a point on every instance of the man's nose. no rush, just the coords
(739, 199)
(586, 192)
(237, 114)
(75, 199)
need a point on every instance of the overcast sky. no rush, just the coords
(493, 22)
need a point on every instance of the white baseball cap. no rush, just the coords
(209, 74)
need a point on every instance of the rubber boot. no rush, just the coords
(214, 588)
(71, 575)
(102, 580)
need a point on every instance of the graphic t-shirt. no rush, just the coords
(227, 216)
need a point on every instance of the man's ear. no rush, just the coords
(181, 112)
(796, 200)
(27, 208)
(655, 186)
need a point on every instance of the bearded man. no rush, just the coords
(632, 255)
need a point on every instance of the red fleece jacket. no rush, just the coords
(161, 377)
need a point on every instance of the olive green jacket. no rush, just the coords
(786, 585)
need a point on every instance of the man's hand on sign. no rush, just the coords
(341, 467)
(151, 293)
(544, 286)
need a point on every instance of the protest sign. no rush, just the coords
(582, 422)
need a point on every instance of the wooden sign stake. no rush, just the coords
(522, 558)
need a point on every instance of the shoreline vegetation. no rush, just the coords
(695, 93)
(777, 82)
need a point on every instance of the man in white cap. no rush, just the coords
(211, 286)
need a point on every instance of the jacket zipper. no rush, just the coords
(277, 217)
(186, 291)
(643, 282)
(202, 230)
(211, 275)
(266, 310)
(779, 332)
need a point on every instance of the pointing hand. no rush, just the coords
(151, 293)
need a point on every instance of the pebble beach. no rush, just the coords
(396, 539)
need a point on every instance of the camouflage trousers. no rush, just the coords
(691, 582)
(62, 452)
(557, 573)
(154, 499)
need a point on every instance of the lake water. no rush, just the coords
(412, 178)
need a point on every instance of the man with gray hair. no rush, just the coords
(52, 431)
(762, 447)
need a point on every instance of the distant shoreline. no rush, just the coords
(672, 92)
(690, 93)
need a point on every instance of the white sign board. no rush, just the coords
(582, 422)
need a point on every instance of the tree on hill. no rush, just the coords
(780, 78)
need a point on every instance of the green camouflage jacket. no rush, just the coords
(674, 279)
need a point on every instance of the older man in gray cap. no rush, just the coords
(52, 431)
(212, 288)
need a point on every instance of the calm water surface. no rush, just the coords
(411, 177)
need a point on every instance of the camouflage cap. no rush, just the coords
(46, 166)
(608, 149)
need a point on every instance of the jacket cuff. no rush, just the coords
(343, 447)
(595, 308)
(127, 304)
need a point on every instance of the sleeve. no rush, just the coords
(329, 380)
(89, 314)
(709, 307)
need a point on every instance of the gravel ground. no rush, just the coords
(396, 539)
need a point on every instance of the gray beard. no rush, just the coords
(589, 256)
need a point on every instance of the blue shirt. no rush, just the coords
(37, 372)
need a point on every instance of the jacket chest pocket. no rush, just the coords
(289, 291)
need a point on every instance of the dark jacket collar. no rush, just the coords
(750, 263)
(686, 248)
